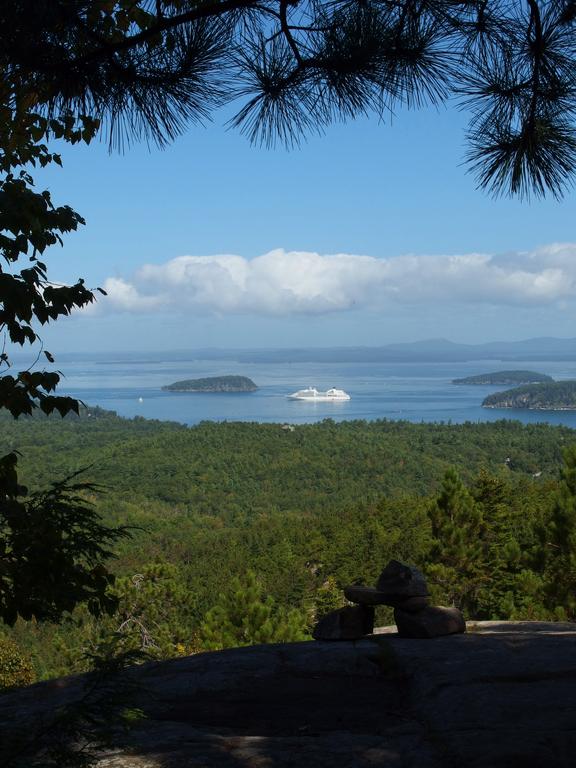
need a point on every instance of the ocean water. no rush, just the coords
(410, 391)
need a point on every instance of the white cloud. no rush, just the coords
(300, 282)
(124, 296)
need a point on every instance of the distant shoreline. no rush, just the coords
(536, 350)
(531, 407)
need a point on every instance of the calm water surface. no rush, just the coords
(410, 391)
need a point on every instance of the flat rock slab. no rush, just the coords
(500, 696)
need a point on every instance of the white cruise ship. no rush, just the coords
(313, 395)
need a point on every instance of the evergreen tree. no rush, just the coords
(513, 589)
(457, 567)
(559, 543)
(153, 618)
(328, 597)
(154, 609)
(53, 550)
(503, 553)
(243, 617)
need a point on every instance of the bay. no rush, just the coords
(405, 391)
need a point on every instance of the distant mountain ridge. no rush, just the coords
(429, 350)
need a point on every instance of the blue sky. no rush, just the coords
(372, 233)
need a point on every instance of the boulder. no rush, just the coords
(411, 604)
(372, 596)
(399, 580)
(349, 623)
(365, 595)
(400, 586)
(432, 621)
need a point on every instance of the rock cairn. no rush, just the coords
(404, 588)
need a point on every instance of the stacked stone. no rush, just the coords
(402, 587)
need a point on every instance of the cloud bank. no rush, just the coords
(299, 282)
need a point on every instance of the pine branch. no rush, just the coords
(164, 24)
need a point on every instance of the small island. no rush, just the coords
(505, 378)
(213, 384)
(555, 396)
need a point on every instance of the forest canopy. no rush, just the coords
(307, 512)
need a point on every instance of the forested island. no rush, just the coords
(222, 514)
(505, 378)
(554, 396)
(213, 384)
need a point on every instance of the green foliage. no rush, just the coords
(53, 547)
(559, 543)
(155, 616)
(29, 224)
(231, 470)
(457, 562)
(15, 667)
(153, 613)
(329, 597)
(243, 617)
(512, 583)
(309, 511)
(487, 554)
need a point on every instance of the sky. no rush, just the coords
(372, 233)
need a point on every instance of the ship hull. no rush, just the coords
(320, 399)
(314, 396)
